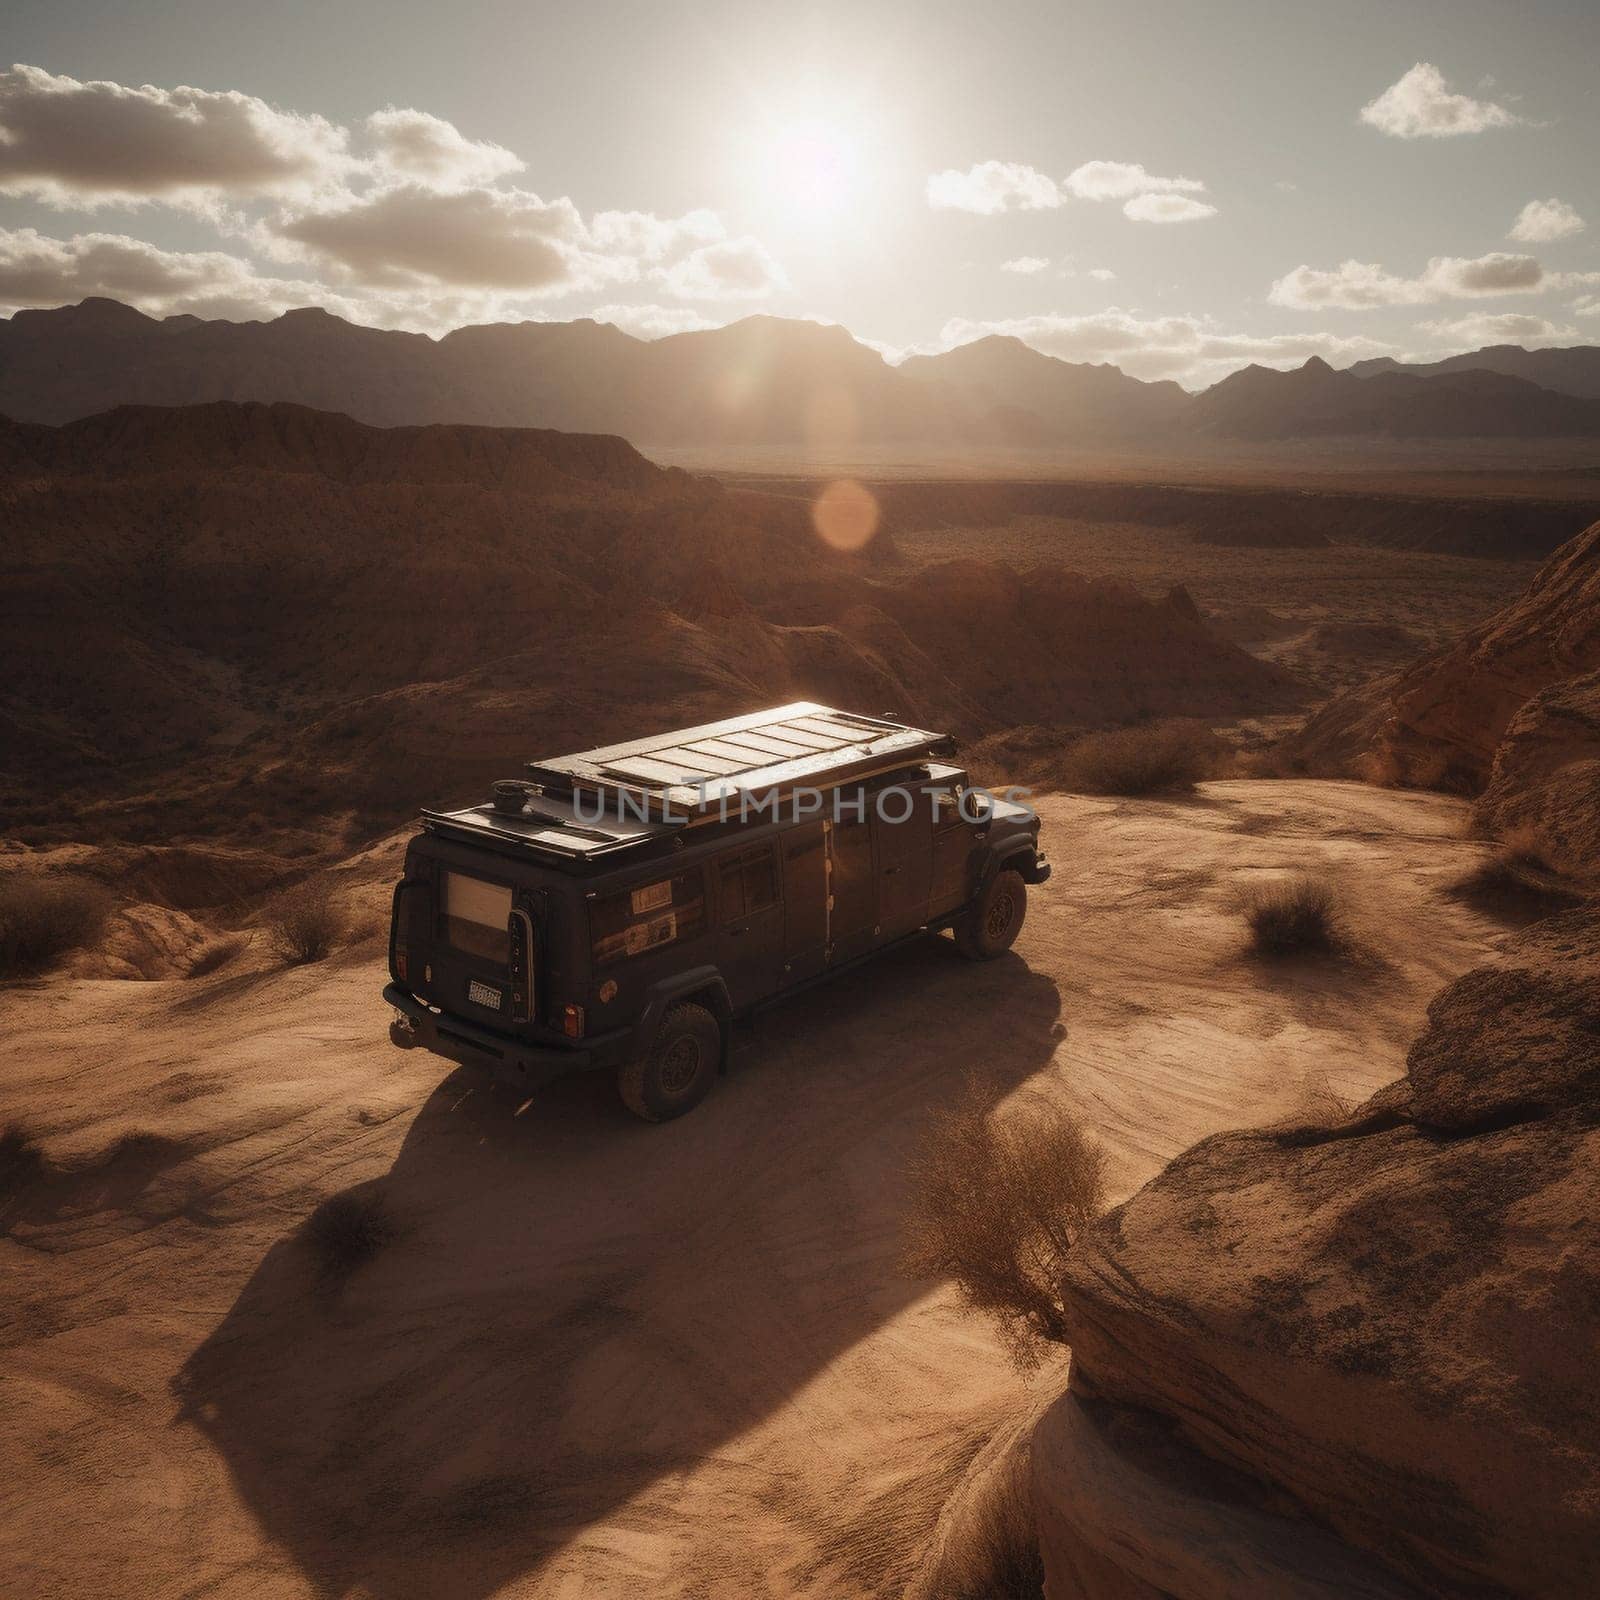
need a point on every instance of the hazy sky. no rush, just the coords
(1179, 188)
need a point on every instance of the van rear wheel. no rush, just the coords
(678, 1070)
(990, 927)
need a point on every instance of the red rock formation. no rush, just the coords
(1356, 1358)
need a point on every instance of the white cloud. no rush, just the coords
(652, 238)
(89, 144)
(408, 205)
(653, 321)
(416, 144)
(734, 269)
(1363, 285)
(991, 187)
(1191, 349)
(1421, 106)
(410, 235)
(1540, 221)
(1104, 274)
(1025, 264)
(36, 270)
(1504, 327)
(1587, 305)
(1167, 208)
(1117, 180)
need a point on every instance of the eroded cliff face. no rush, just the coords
(1511, 712)
(1357, 1358)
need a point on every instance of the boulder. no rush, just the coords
(1361, 1347)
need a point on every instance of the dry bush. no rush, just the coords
(1157, 758)
(346, 1231)
(993, 1552)
(997, 1201)
(1295, 916)
(304, 923)
(1320, 1102)
(1517, 881)
(41, 918)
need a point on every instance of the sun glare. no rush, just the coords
(814, 169)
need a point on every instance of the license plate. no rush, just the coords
(483, 994)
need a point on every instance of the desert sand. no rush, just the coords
(603, 1358)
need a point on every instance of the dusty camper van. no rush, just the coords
(619, 908)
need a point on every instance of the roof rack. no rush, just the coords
(618, 796)
(695, 773)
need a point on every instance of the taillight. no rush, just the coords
(400, 963)
(572, 1021)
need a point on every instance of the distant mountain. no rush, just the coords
(764, 380)
(1316, 401)
(1074, 399)
(768, 381)
(1573, 370)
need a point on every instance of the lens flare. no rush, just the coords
(845, 515)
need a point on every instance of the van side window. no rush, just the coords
(633, 921)
(749, 883)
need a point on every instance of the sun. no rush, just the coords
(814, 169)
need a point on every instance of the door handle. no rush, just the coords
(889, 872)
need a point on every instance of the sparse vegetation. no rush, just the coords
(1517, 881)
(1300, 915)
(346, 1231)
(993, 1552)
(997, 1202)
(43, 917)
(304, 923)
(1158, 758)
(1320, 1102)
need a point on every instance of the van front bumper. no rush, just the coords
(515, 1062)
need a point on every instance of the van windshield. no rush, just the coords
(475, 917)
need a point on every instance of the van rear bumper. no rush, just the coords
(513, 1061)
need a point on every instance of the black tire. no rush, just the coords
(678, 1070)
(991, 925)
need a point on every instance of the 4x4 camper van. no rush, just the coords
(619, 908)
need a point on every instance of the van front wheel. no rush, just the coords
(676, 1073)
(991, 924)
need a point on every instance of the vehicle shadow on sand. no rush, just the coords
(578, 1305)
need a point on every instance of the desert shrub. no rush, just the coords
(992, 1552)
(1294, 916)
(1157, 758)
(304, 923)
(217, 954)
(1319, 1102)
(1517, 881)
(997, 1201)
(41, 918)
(346, 1231)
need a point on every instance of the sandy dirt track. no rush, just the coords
(604, 1358)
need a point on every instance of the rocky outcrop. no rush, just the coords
(1545, 781)
(1356, 1357)
(1510, 713)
